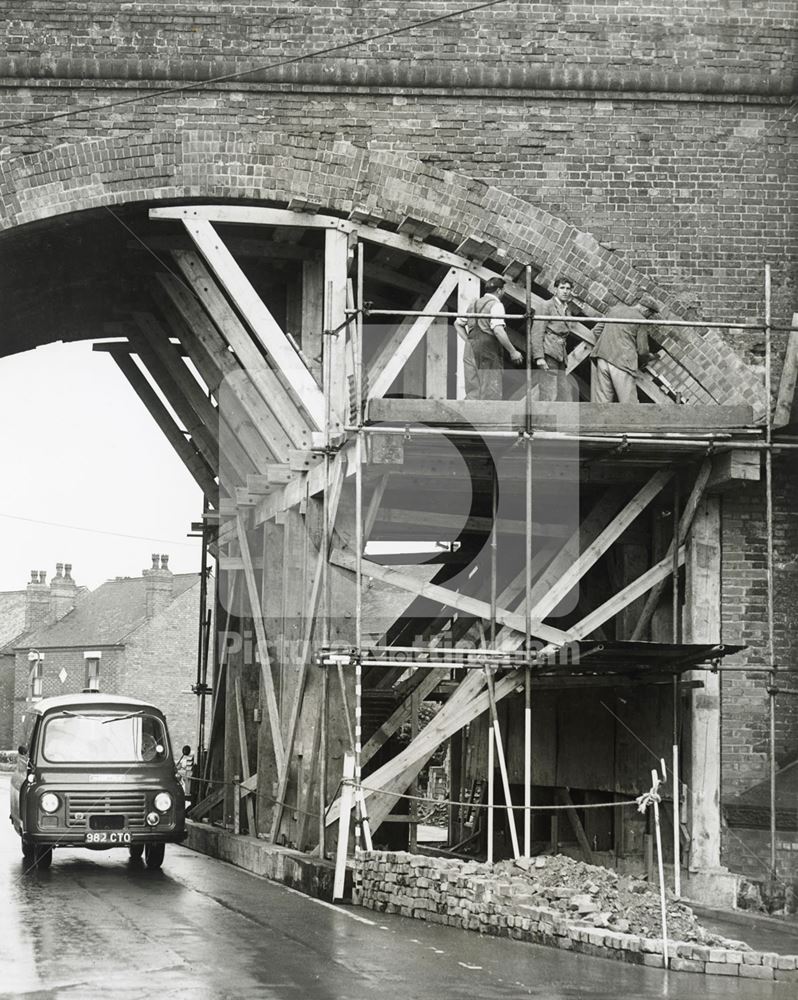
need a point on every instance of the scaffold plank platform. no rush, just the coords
(584, 418)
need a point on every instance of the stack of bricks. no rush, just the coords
(473, 896)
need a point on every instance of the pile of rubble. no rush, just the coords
(600, 897)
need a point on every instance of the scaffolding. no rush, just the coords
(328, 421)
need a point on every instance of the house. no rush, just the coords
(12, 625)
(134, 636)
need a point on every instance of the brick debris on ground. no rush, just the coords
(559, 902)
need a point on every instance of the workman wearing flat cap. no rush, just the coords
(620, 352)
(486, 341)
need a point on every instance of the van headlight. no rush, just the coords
(163, 802)
(49, 802)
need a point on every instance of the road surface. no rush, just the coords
(96, 926)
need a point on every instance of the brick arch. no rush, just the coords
(340, 177)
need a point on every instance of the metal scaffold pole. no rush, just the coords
(769, 524)
(362, 826)
(528, 574)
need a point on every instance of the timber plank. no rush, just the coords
(279, 398)
(587, 418)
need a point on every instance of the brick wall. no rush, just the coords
(721, 36)
(745, 702)
(708, 168)
(7, 701)
(72, 663)
(157, 664)
(160, 665)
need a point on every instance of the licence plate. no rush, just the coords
(108, 837)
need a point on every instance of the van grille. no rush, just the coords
(131, 805)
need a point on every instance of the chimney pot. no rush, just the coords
(155, 560)
(42, 576)
(67, 571)
(34, 576)
(164, 562)
(59, 570)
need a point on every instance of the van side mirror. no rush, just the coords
(22, 750)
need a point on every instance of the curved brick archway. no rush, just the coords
(341, 177)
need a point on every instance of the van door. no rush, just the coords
(19, 776)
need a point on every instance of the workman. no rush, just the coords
(549, 350)
(486, 341)
(620, 352)
(185, 770)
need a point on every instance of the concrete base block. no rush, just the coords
(310, 875)
(715, 887)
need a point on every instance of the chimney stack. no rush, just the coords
(157, 585)
(63, 591)
(37, 600)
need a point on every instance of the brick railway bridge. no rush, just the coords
(271, 244)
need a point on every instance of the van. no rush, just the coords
(96, 771)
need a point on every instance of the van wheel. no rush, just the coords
(136, 852)
(153, 855)
(42, 857)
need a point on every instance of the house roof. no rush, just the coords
(12, 616)
(105, 616)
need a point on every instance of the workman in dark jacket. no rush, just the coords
(486, 341)
(621, 350)
(549, 350)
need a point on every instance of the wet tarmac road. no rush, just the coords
(96, 926)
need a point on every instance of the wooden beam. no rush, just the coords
(686, 519)
(610, 608)
(451, 525)
(564, 796)
(733, 469)
(589, 556)
(251, 215)
(584, 418)
(216, 798)
(469, 701)
(313, 313)
(394, 357)
(198, 334)
(234, 421)
(401, 713)
(263, 650)
(229, 448)
(268, 383)
(785, 399)
(336, 265)
(310, 623)
(244, 752)
(263, 325)
(703, 624)
(191, 458)
(306, 485)
(201, 434)
(436, 375)
(449, 598)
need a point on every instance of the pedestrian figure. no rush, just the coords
(185, 770)
(620, 352)
(549, 349)
(486, 341)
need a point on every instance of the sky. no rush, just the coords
(86, 476)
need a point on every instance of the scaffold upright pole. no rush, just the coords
(769, 524)
(528, 573)
(357, 354)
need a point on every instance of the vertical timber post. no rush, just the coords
(467, 292)
(702, 605)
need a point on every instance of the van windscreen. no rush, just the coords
(99, 738)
